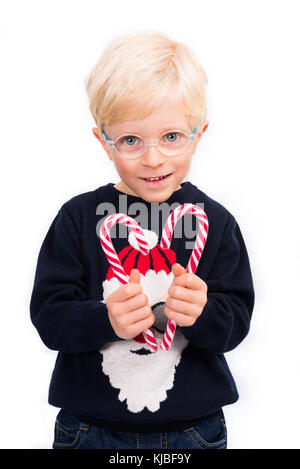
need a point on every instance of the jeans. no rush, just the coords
(71, 433)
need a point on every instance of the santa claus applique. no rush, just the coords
(142, 377)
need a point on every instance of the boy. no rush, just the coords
(148, 100)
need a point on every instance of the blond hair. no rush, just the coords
(135, 73)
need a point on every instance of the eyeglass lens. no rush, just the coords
(171, 143)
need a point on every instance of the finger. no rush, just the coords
(133, 303)
(177, 269)
(124, 292)
(191, 281)
(182, 320)
(134, 276)
(182, 307)
(141, 326)
(184, 294)
(137, 316)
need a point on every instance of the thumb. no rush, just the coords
(134, 276)
(177, 269)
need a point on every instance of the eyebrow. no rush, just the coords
(161, 131)
(178, 127)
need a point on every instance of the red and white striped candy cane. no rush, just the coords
(166, 239)
(114, 260)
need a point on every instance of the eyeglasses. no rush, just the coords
(171, 143)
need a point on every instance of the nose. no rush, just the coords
(153, 157)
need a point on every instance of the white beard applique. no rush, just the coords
(143, 377)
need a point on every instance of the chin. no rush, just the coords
(157, 198)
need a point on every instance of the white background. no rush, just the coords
(248, 161)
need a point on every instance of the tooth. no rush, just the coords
(155, 179)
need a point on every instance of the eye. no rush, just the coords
(129, 140)
(172, 137)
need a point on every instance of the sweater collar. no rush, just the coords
(178, 196)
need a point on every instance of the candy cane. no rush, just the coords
(166, 239)
(114, 260)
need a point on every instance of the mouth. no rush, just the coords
(157, 179)
(141, 351)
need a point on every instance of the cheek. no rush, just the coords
(182, 165)
(126, 168)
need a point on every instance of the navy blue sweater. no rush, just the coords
(118, 383)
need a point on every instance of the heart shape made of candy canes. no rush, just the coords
(144, 248)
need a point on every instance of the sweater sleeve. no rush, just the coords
(63, 316)
(225, 319)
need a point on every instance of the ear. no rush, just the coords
(205, 127)
(198, 136)
(101, 139)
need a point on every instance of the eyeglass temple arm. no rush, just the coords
(106, 137)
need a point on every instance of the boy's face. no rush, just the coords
(167, 116)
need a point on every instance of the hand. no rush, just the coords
(188, 296)
(128, 309)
